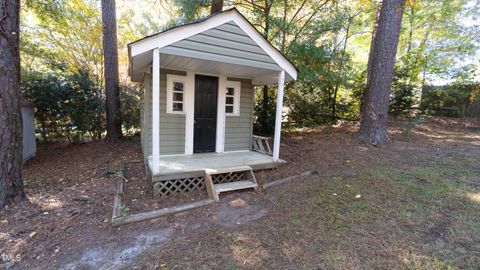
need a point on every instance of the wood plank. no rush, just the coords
(286, 179)
(198, 163)
(228, 170)
(260, 143)
(209, 185)
(258, 188)
(117, 200)
(261, 137)
(161, 212)
(225, 187)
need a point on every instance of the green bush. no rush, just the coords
(327, 87)
(85, 105)
(402, 97)
(455, 100)
(130, 107)
(66, 106)
(72, 105)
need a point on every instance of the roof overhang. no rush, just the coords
(141, 52)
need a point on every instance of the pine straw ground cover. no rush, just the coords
(412, 204)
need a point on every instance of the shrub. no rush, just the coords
(130, 107)
(66, 106)
(455, 100)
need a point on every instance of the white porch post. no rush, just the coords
(278, 117)
(220, 135)
(156, 111)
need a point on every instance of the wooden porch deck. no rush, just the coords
(179, 166)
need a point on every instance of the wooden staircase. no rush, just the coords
(229, 179)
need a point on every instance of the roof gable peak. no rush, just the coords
(230, 16)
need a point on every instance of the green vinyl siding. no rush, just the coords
(238, 129)
(172, 126)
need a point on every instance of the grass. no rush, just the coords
(413, 204)
(408, 217)
(423, 213)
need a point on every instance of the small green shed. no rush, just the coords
(198, 95)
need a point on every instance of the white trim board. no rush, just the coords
(155, 110)
(220, 138)
(189, 102)
(180, 33)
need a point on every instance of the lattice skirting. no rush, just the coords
(228, 177)
(165, 188)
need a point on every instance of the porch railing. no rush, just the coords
(260, 144)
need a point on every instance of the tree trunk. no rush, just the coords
(265, 111)
(265, 99)
(217, 6)
(11, 184)
(373, 123)
(110, 56)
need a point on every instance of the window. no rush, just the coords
(232, 98)
(175, 93)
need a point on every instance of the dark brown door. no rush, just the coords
(205, 127)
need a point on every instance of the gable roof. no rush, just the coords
(178, 33)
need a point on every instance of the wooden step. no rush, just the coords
(214, 190)
(228, 170)
(244, 184)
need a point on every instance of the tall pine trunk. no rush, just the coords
(110, 56)
(11, 184)
(265, 112)
(373, 123)
(216, 7)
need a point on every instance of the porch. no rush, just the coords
(199, 83)
(184, 166)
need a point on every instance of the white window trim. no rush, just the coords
(236, 85)
(170, 80)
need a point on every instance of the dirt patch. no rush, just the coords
(113, 256)
(397, 222)
(439, 231)
(237, 210)
(138, 192)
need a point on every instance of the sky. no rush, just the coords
(473, 21)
